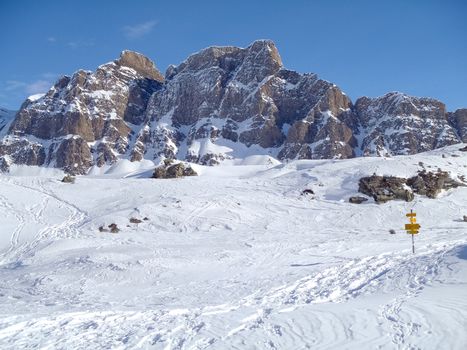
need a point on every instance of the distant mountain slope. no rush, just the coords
(220, 103)
(6, 116)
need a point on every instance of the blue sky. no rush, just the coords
(365, 47)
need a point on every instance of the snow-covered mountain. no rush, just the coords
(399, 124)
(221, 103)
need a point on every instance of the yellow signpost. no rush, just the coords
(412, 228)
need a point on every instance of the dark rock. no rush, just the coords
(463, 149)
(189, 171)
(357, 199)
(175, 171)
(307, 192)
(171, 171)
(385, 188)
(114, 228)
(135, 221)
(68, 179)
(430, 184)
(458, 120)
(160, 173)
(465, 217)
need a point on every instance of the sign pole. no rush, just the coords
(412, 228)
(413, 242)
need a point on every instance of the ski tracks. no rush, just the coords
(65, 229)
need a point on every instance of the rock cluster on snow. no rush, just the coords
(357, 199)
(172, 171)
(386, 188)
(68, 179)
(217, 101)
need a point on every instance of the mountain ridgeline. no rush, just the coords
(221, 103)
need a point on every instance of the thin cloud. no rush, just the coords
(41, 85)
(51, 39)
(12, 85)
(80, 44)
(38, 87)
(139, 30)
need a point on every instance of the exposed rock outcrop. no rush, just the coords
(357, 199)
(86, 118)
(397, 124)
(386, 188)
(230, 94)
(172, 171)
(430, 183)
(459, 120)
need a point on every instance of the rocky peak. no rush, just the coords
(85, 119)
(244, 95)
(397, 123)
(400, 104)
(140, 63)
(261, 54)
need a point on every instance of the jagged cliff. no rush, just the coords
(221, 103)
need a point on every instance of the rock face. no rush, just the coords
(226, 95)
(357, 199)
(397, 124)
(172, 171)
(386, 188)
(459, 120)
(221, 103)
(430, 184)
(86, 119)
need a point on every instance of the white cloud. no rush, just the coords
(14, 85)
(38, 86)
(78, 44)
(139, 30)
(51, 39)
(34, 87)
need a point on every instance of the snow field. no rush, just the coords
(235, 258)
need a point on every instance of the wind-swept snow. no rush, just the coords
(236, 258)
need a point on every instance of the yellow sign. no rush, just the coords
(413, 227)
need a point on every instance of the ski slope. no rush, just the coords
(236, 258)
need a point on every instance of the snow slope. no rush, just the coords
(236, 258)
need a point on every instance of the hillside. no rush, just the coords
(234, 258)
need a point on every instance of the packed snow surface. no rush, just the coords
(236, 258)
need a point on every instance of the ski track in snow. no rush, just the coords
(243, 262)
